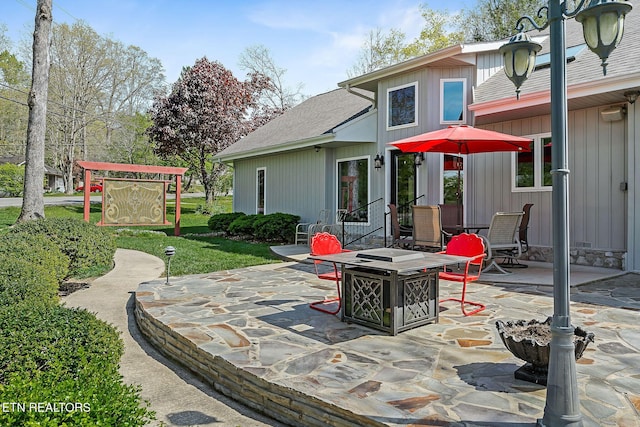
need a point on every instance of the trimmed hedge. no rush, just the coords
(58, 366)
(221, 222)
(86, 245)
(38, 250)
(280, 227)
(243, 225)
(65, 357)
(22, 280)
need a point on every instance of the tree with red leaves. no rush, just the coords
(207, 110)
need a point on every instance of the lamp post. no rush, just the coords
(602, 22)
(169, 251)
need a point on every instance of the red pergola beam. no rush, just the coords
(124, 167)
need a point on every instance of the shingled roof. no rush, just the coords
(582, 70)
(315, 117)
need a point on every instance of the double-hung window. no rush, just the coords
(353, 188)
(453, 101)
(402, 106)
(532, 170)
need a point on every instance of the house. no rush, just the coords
(53, 177)
(297, 167)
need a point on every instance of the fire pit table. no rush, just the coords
(388, 289)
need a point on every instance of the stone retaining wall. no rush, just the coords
(581, 256)
(279, 402)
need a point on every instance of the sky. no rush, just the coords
(315, 41)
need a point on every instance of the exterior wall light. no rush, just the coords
(378, 161)
(418, 159)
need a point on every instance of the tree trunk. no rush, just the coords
(33, 199)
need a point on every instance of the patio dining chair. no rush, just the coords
(401, 234)
(502, 240)
(325, 243)
(512, 262)
(427, 228)
(305, 230)
(472, 246)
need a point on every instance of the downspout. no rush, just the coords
(372, 100)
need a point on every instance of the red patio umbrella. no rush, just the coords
(462, 139)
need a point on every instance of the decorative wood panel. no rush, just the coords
(133, 202)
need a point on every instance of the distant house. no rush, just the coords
(321, 153)
(53, 176)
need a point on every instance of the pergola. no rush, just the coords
(123, 167)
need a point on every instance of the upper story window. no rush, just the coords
(402, 106)
(453, 101)
(532, 170)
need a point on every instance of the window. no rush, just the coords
(532, 170)
(402, 106)
(353, 189)
(453, 101)
(260, 184)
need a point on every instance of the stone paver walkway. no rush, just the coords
(251, 335)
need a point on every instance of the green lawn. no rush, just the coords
(196, 252)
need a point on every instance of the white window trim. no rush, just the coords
(464, 101)
(337, 171)
(263, 168)
(415, 119)
(537, 165)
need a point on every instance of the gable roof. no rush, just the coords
(452, 56)
(586, 85)
(312, 122)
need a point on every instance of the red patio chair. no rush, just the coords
(326, 244)
(468, 245)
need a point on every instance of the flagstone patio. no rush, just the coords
(251, 334)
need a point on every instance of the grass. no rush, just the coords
(196, 252)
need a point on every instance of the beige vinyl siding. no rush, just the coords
(597, 161)
(430, 176)
(489, 63)
(295, 183)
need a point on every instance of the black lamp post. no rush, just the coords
(602, 22)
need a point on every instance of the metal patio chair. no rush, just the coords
(427, 228)
(326, 243)
(502, 240)
(305, 230)
(469, 245)
(401, 234)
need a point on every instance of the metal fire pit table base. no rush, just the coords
(389, 301)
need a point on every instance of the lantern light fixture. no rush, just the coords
(378, 161)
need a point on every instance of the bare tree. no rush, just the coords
(379, 50)
(279, 97)
(33, 198)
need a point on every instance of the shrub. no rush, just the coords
(221, 222)
(38, 250)
(73, 359)
(279, 227)
(86, 245)
(243, 225)
(22, 280)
